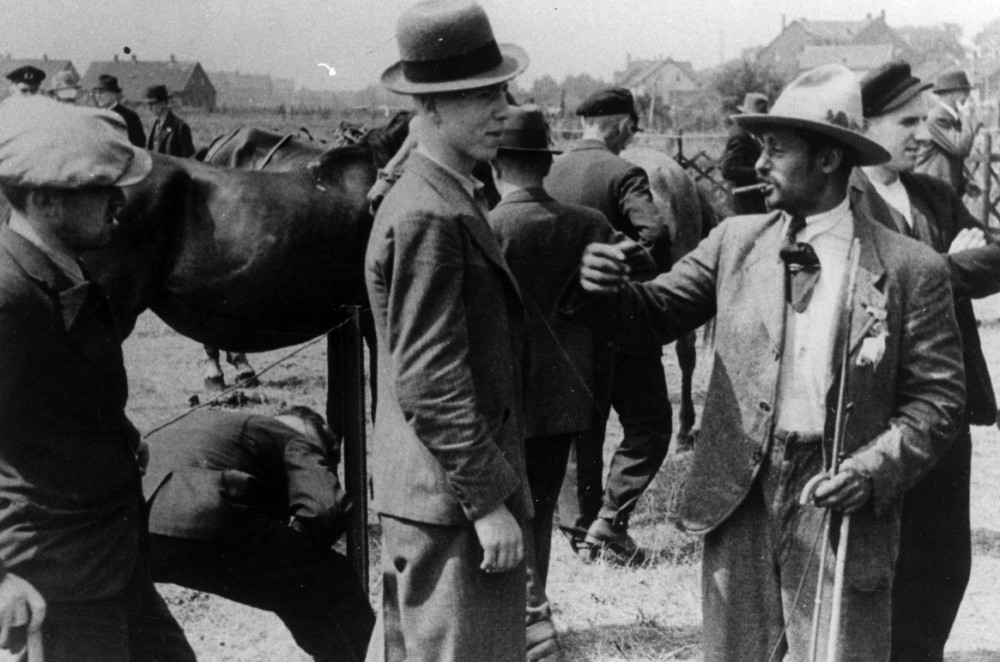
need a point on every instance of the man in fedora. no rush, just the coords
(777, 285)
(595, 518)
(65, 87)
(108, 95)
(935, 556)
(169, 133)
(541, 240)
(953, 126)
(447, 450)
(73, 521)
(739, 158)
(25, 81)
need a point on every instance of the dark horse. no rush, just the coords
(250, 261)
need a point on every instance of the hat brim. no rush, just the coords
(529, 150)
(957, 88)
(867, 151)
(515, 61)
(137, 170)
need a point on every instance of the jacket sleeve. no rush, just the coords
(975, 273)
(954, 141)
(137, 135)
(317, 505)
(635, 202)
(185, 144)
(930, 391)
(428, 343)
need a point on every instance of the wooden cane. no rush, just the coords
(833, 639)
(34, 647)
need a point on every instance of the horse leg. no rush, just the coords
(214, 379)
(686, 358)
(244, 371)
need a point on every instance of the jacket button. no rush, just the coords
(765, 407)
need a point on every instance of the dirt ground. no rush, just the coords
(604, 614)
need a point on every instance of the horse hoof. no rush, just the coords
(248, 379)
(215, 383)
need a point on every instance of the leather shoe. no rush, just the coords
(542, 641)
(614, 543)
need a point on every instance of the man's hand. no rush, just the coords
(20, 605)
(846, 492)
(604, 268)
(967, 238)
(500, 535)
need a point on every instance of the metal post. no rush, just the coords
(987, 181)
(347, 356)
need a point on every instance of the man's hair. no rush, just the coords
(528, 164)
(314, 421)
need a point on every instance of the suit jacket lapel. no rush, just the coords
(868, 295)
(764, 266)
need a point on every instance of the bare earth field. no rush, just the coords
(604, 613)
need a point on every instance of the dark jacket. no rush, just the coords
(211, 468)
(939, 215)
(136, 134)
(737, 166)
(170, 136)
(448, 443)
(71, 515)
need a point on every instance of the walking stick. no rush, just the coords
(35, 649)
(840, 425)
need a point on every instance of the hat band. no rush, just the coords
(453, 68)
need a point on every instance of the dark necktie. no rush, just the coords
(801, 267)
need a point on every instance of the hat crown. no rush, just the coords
(108, 83)
(888, 88)
(751, 100)
(609, 101)
(828, 95)
(439, 30)
(157, 93)
(525, 129)
(952, 81)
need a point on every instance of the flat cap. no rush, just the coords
(888, 88)
(611, 101)
(27, 74)
(44, 143)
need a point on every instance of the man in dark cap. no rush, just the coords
(935, 555)
(762, 485)
(447, 448)
(740, 156)
(591, 174)
(108, 95)
(25, 81)
(169, 133)
(73, 521)
(952, 125)
(541, 240)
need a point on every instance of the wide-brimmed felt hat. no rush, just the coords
(889, 87)
(156, 93)
(526, 131)
(952, 81)
(48, 144)
(107, 83)
(825, 100)
(750, 102)
(448, 46)
(27, 74)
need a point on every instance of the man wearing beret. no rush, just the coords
(935, 555)
(72, 522)
(108, 95)
(762, 484)
(25, 81)
(593, 175)
(952, 126)
(447, 452)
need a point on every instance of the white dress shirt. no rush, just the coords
(807, 366)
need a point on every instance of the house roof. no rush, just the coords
(134, 76)
(638, 72)
(839, 32)
(856, 57)
(49, 66)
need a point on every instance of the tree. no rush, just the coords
(933, 43)
(988, 39)
(545, 91)
(737, 78)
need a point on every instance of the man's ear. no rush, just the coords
(829, 159)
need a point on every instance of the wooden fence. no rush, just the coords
(983, 198)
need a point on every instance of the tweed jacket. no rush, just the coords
(943, 156)
(448, 443)
(71, 515)
(542, 241)
(939, 215)
(589, 174)
(906, 407)
(136, 134)
(170, 136)
(211, 469)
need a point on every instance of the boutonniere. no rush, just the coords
(873, 345)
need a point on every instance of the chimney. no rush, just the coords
(45, 57)
(784, 22)
(883, 14)
(135, 58)
(115, 57)
(173, 60)
(868, 16)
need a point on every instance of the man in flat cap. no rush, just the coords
(778, 285)
(953, 126)
(108, 95)
(73, 518)
(740, 157)
(541, 240)
(935, 556)
(591, 174)
(25, 81)
(447, 452)
(169, 133)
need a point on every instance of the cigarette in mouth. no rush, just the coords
(752, 187)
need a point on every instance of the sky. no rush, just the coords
(356, 38)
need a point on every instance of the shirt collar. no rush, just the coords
(470, 184)
(63, 261)
(832, 219)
